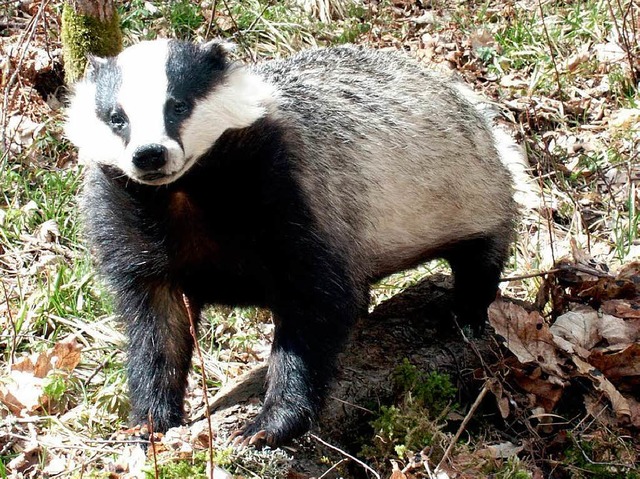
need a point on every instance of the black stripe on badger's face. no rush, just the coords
(108, 79)
(159, 106)
(192, 72)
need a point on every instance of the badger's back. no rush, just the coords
(397, 163)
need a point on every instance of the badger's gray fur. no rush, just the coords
(291, 184)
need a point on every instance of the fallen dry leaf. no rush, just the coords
(526, 335)
(617, 331)
(579, 327)
(605, 288)
(625, 119)
(501, 399)
(610, 53)
(598, 407)
(577, 59)
(621, 366)
(622, 308)
(396, 473)
(177, 439)
(23, 391)
(481, 39)
(131, 461)
(622, 407)
(545, 392)
(26, 459)
(514, 80)
(218, 472)
(631, 272)
(584, 328)
(504, 450)
(56, 465)
(66, 354)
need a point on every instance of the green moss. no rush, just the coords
(415, 421)
(83, 35)
(512, 468)
(433, 391)
(179, 469)
(601, 457)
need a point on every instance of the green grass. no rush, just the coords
(136, 19)
(40, 232)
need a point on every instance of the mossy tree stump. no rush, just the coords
(88, 28)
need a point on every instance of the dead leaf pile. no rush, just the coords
(596, 340)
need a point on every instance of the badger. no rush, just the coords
(291, 184)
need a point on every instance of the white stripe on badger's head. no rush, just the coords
(154, 110)
(240, 100)
(142, 96)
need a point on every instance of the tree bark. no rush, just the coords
(89, 27)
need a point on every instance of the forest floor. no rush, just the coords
(555, 387)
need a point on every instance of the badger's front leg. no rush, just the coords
(160, 349)
(310, 332)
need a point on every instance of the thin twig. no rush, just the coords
(346, 454)
(100, 367)
(473, 347)
(623, 36)
(241, 38)
(463, 426)
(194, 335)
(599, 463)
(352, 405)
(553, 57)
(63, 447)
(212, 19)
(530, 275)
(152, 441)
(109, 442)
(546, 207)
(14, 336)
(332, 467)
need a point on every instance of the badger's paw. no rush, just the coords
(273, 427)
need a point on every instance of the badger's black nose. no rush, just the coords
(150, 157)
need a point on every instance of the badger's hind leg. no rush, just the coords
(477, 264)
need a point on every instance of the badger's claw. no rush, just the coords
(241, 440)
(259, 439)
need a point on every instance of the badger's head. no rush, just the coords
(156, 108)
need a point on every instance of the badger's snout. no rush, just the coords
(150, 158)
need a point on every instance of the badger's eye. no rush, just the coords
(179, 107)
(118, 120)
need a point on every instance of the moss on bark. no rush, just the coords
(84, 35)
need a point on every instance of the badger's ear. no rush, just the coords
(218, 48)
(94, 64)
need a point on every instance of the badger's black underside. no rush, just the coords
(237, 230)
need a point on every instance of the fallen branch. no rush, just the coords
(463, 426)
(346, 454)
